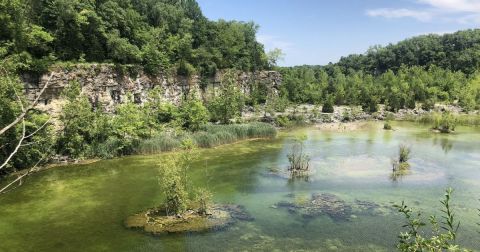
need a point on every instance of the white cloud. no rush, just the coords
(271, 42)
(459, 11)
(400, 13)
(472, 6)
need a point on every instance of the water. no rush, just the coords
(82, 208)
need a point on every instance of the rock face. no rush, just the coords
(106, 85)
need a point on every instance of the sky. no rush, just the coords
(316, 32)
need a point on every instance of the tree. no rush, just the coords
(274, 56)
(77, 119)
(192, 113)
(229, 102)
(173, 186)
(328, 105)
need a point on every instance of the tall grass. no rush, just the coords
(433, 117)
(214, 135)
(208, 136)
(161, 143)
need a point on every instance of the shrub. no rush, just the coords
(443, 235)
(282, 121)
(428, 105)
(328, 106)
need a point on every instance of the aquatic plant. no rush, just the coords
(214, 135)
(387, 125)
(160, 143)
(400, 166)
(298, 159)
(403, 153)
(443, 234)
(207, 136)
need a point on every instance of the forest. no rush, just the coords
(424, 69)
(160, 35)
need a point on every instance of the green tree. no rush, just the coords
(173, 186)
(229, 102)
(76, 118)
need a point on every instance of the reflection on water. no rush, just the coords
(82, 208)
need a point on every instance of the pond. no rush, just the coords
(83, 207)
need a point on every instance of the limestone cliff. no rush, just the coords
(105, 84)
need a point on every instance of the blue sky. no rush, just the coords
(320, 31)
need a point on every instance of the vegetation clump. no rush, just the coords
(444, 123)
(387, 125)
(298, 159)
(401, 166)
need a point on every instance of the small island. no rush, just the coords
(156, 221)
(185, 209)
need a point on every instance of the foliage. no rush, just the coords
(443, 234)
(298, 159)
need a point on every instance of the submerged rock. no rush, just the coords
(330, 205)
(154, 221)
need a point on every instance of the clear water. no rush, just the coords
(82, 208)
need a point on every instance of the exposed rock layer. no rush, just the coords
(104, 84)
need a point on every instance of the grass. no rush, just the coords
(207, 137)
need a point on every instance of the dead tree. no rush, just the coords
(20, 119)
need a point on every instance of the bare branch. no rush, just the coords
(25, 110)
(40, 128)
(16, 148)
(3, 190)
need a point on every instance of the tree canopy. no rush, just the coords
(158, 34)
